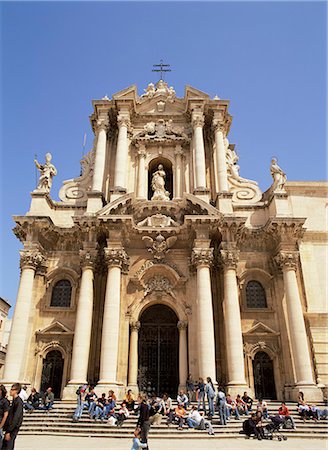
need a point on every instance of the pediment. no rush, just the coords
(160, 105)
(129, 93)
(262, 329)
(194, 93)
(55, 328)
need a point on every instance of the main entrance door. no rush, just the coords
(158, 351)
(52, 372)
(264, 376)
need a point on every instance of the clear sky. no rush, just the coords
(267, 58)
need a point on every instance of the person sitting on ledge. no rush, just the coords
(33, 401)
(262, 406)
(283, 411)
(196, 420)
(248, 402)
(178, 415)
(182, 399)
(110, 405)
(48, 399)
(99, 412)
(250, 427)
(231, 408)
(122, 414)
(129, 400)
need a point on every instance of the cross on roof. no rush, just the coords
(161, 65)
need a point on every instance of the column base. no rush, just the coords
(69, 391)
(105, 386)
(235, 388)
(202, 193)
(312, 393)
(117, 192)
(224, 202)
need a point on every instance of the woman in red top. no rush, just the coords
(284, 411)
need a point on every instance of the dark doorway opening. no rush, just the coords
(264, 376)
(167, 166)
(158, 351)
(52, 372)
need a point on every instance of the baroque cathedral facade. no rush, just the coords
(160, 260)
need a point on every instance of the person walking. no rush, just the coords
(221, 402)
(81, 393)
(210, 392)
(143, 420)
(14, 419)
(201, 394)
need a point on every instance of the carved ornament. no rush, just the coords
(102, 125)
(182, 325)
(198, 121)
(135, 326)
(158, 220)
(31, 259)
(159, 246)
(229, 258)
(88, 258)
(158, 283)
(116, 257)
(123, 121)
(202, 257)
(162, 131)
(287, 260)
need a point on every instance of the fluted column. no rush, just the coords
(141, 187)
(121, 161)
(100, 156)
(116, 259)
(288, 262)
(220, 156)
(133, 355)
(83, 324)
(17, 346)
(232, 319)
(200, 168)
(183, 354)
(202, 259)
(178, 171)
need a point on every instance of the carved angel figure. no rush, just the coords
(47, 172)
(278, 175)
(150, 91)
(159, 246)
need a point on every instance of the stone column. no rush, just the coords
(232, 322)
(141, 191)
(121, 162)
(202, 259)
(178, 171)
(17, 346)
(288, 261)
(83, 324)
(199, 163)
(133, 356)
(183, 354)
(220, 156)
(116, 259)
(100, 157)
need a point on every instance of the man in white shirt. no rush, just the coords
(195, 418)
(23, 394)
(182, 399)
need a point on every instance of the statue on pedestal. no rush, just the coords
(158, 185)
(47, 172)
(278, 175)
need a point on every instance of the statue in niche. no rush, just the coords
(278, 175)
(158, 185)
(47, 172)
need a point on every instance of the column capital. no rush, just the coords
(178, 150)
(182, 325)
(218, 126)
(229, 258)
(102, 124)
(88, 259)
(135, 326)
(116, 257)
(197, 120)
(31, 259)
(123, 120)
(202, 257)
(287, 259)
(142, 152)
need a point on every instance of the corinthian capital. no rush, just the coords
(102, 125)
(123, 121)
(88, 258)
(31, 259)
(198, 120)
(218, 126)
(116, 257)
(287, 260)
(229, 258)
(182, 325)
(135, 326)
(202, 257)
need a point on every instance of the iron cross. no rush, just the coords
(161, 65)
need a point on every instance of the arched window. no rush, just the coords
(61, 294)
(255, 295)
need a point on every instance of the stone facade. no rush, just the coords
(160, 218)
(5, 325)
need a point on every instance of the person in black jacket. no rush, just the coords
(4, 409)
(14, 419)
(143, 420)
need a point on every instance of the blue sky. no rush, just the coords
(267, 58)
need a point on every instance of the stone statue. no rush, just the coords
(278, 175)
(47, 172)
(158, 185)
(150, 91)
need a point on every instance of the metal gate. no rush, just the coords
(158, 352)
(264, 376)
(52, 372)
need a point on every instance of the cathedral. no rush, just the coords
(160, 260)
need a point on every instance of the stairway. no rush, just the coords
(58, 421)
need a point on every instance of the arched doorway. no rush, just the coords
(158, 351)
(52, 372)
(167, 166)
(264, 383)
